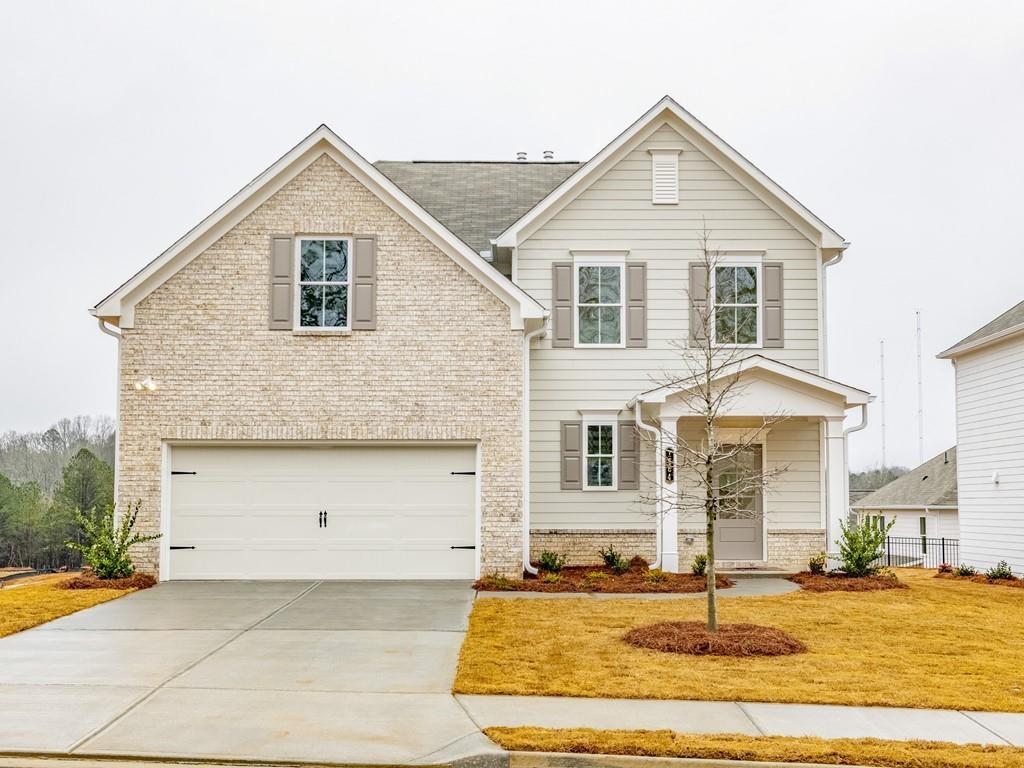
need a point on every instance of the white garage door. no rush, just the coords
(368, 512)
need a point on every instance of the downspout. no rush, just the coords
(657, 517)
(846, 455)
(117, 406)
(824, 309)
(526, 442)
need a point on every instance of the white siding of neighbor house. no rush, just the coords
(942, 523)
(990, 438)
(616, 213)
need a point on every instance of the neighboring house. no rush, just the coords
(989, 367)
(921, 501)
(344, 370)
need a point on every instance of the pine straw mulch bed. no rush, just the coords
(788, 749)
(692, 637)
(837, 581)
(980, 578)
(601, 578)
(92, 581)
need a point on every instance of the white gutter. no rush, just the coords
(657, 463)
(117, 406)
(824, 309)
(846, 454)
(526, 443)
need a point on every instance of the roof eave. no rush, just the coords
(960, 349)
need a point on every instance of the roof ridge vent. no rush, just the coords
(521, 157)
(549, 155)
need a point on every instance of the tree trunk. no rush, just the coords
(709, 533)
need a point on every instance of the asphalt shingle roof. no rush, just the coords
(1011, 318)
(933, 484)
(477, 201)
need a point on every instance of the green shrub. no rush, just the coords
(699, 566)
(551, 578)
(655, 576)
(552, 562)
(861, 545)
(966, 570)
(1001, 570)
(106, 541)
(614, 560)
(816, 564)
(596, 576)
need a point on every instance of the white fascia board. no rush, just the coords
(961, 349)
(120, 304)
(851, 395)
(666, 111)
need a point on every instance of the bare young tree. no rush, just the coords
(705, 469)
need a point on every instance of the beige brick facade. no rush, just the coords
(443, 364)
(787, 549)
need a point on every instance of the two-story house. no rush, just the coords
(433, 370)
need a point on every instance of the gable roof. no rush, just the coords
(667, 110)
(851, 395)
(118, 307)
(933, 484)
(1007, 324)
(477, 200)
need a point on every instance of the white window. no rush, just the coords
(322, 297)
(600, 445)
(664, 176)
(600, 312)
(737, 295)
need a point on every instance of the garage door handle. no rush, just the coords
(465, 546)
(174, 547)
(463, 473)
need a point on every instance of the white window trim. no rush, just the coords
(613, 423)
(728, 260)
(297, 288)
(596, 260)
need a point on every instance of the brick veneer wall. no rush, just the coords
(443, 364)
(787, 549)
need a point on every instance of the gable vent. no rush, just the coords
(665, 176)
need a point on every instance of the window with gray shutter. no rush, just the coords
(571, 455)
(698, 292)
(629, 457)
(636, 304)
(561, 305)
(281, 259)
(773, 314)
(364, 283)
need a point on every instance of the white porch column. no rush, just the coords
(835, 477)
(669, 491)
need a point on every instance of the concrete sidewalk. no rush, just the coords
(754, 719)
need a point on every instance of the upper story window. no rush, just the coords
(737, 295)
(600, 447)
(599, 305)
(322, 290)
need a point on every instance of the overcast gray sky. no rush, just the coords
(125, 123)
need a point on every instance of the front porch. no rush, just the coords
(793, 423)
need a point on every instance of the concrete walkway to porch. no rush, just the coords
(826, 721)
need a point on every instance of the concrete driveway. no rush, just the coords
(356, 672)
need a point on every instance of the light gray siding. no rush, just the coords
(616, 213)
(990, 438)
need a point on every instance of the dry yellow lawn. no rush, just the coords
(940, 643)
(875, 752)
(26, 606)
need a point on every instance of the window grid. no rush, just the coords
(615, 328)
(342, 251)
(737, 322)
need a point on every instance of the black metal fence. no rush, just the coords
(919, 552)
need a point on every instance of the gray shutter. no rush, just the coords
(572, 455)
(636, 305)
(364, 283)
(281, 290)
(698, 292)
(629, 457)
(772, 293)
(561, 304)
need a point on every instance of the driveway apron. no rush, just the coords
(357, 672)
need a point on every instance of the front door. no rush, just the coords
(739, 530)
